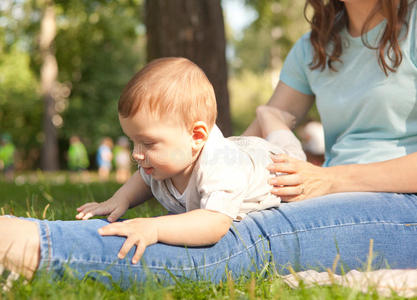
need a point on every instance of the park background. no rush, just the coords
(63, 63)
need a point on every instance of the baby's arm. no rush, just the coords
(134, 192)
(198, 227)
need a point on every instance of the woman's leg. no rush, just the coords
(19, 245)
(308, 234)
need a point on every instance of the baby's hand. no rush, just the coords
(111, 207)
(139, 232)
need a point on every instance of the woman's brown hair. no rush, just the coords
(330, 17)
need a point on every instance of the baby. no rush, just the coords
(205, 181)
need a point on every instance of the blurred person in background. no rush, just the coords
(77, 155)
(122, 159)
(104, 158)
(7, 152)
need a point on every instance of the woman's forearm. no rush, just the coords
(397, 175)
(286, 99)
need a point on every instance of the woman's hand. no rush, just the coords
(300, 180)
(139, 232)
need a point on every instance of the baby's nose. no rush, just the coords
(138, 156)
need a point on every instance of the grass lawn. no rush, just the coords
(56, 197)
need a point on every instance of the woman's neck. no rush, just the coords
(358, 12)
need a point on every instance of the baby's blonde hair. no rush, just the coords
(172, 86)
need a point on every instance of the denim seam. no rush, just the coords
(340, 225)
(45, 244)
(49, 245)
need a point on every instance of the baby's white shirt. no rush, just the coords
(230, 175)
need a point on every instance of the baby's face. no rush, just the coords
(162, 147)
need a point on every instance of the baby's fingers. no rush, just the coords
(140, 249)
(114, 229)
(86, 206)
(88, 211)
(128, 244)
(115, 214)
(83, 215)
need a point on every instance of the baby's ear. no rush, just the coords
(199, 134)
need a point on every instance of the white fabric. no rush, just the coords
(385, 282)
(230, 175)
(314, 138)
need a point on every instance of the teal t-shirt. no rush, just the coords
(367, 117)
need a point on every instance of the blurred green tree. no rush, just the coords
(260, 53)
(99, 45)
(267, 41)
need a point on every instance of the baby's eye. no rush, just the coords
(148, 144)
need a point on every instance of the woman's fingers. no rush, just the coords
(280, 158)
(282, 163)
(284, 180)
(286, 191)
(288, 184)
(283, 167)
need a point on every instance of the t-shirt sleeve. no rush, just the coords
(221, 188)
(293, 72)
(225, 202)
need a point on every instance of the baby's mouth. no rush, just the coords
(148, 171)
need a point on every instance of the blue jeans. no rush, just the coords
(305, 235)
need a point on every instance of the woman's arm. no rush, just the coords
(286, 99)
(305, 180)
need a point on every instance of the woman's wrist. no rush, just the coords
(344, 178)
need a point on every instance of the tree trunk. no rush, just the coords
(193, 29)
(49, 73)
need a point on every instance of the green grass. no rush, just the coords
(56, 196)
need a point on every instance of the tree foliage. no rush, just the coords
(267, 41)
(99, 45)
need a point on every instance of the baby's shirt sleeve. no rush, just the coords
(294, 71)
(225, 202)
(223, 190)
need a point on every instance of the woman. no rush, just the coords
(359, 64)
